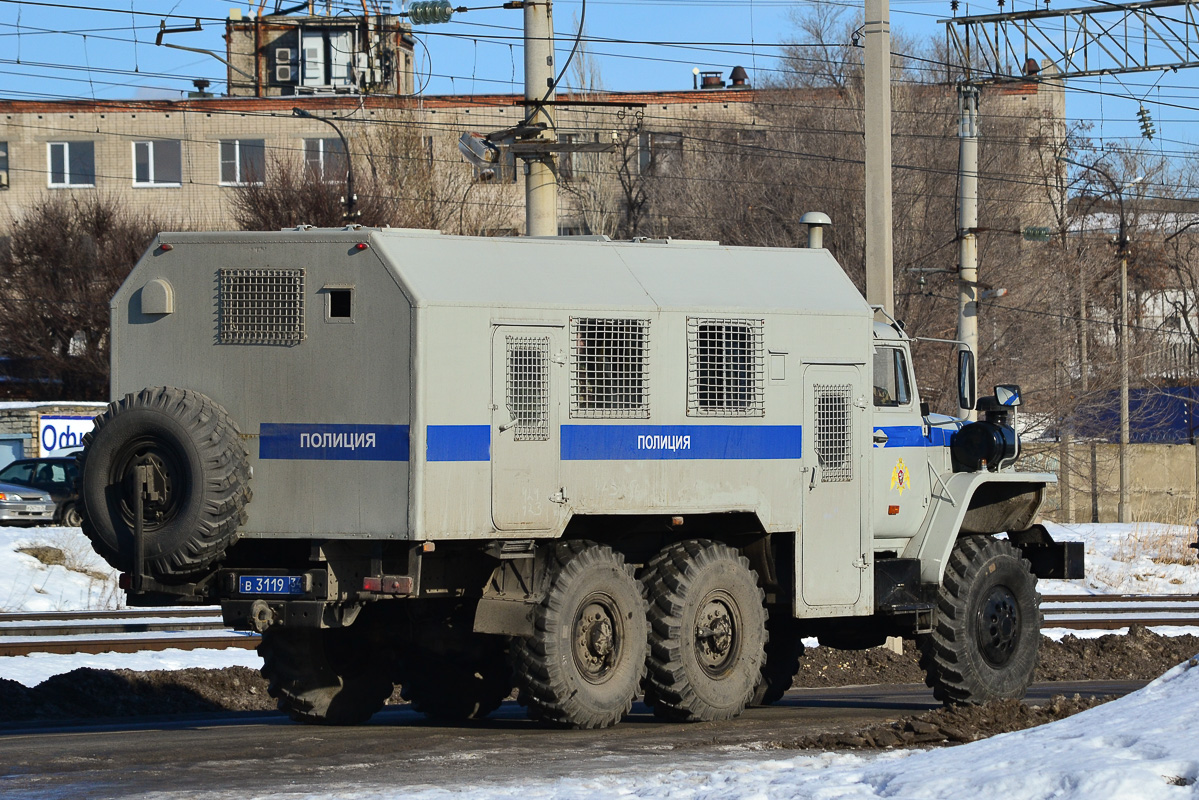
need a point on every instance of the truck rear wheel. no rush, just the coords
(707, 632)
(985, 642)
(324, 676)
(449, 672)
(784, 649)
(200, 476)
(584, 663)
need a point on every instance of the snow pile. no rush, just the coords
(1129, 558)
(35, 668)
(81, 582)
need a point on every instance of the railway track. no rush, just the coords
(133, 630)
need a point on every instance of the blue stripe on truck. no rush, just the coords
(672, 442)
(458, 443)
(913, 436)
(332, 442)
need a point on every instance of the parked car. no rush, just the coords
(23, 505)
(56, 476)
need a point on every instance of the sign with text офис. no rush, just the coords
(60, 434)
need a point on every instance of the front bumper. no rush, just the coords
(26, 512)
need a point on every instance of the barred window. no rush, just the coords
(725, 368)
(833, 441)
(527, 386)
(610, 370)
(261, 306)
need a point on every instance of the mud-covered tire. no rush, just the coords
(324, 676)
(465, 681)
(708, 635)
(784, 649)
(203, 472)
(986, 639)
(71, 516)
(584, 663)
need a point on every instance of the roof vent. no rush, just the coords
(710, 80)
(739, 78)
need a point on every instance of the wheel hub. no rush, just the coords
(595, 639)
(161, 498)
(716, 634)
(998, 626)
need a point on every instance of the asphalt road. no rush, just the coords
(245, 754)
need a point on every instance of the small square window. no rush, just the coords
(339, 304)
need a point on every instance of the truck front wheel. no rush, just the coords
(584, 663)
(985, 642)
(707, 632)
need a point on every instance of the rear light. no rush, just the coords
(388, 584)
(361, 246)
(125, 581)
(3, 496)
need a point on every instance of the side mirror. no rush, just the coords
(1008, 394)
(966, 380)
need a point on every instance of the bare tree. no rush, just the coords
(65, 259)
(402, 178)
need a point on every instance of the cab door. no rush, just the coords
(526, 377)
(899, 446)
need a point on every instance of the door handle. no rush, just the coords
(815, 477)
(880, 437)
(509, 424)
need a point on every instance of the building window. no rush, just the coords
(660, 152)
(157, 163)
(610, 374)
(725, 368)
(72, 163)
(327, 159)
(566, 159)
(242, 161)
(3, 165)
(890, 378)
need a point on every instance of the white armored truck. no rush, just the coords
(591, 470)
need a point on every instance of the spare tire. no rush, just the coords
(200, 480)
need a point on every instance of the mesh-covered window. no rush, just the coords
(610, 370)
(833, 440)
(725, 368)
(527, 386)
(261, 306)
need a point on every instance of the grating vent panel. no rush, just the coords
(725, 368)
(261, 306)
(610, 368)
(833, 436)
(527, 386)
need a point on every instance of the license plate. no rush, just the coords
(270, 584)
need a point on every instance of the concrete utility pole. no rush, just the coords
(968, 221)
(541, 178)
(880, 279)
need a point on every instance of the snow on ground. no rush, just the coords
(1120, 559)
(82, 582)
(1141, 747)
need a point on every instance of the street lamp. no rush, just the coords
(350, 199)
(1122, 254)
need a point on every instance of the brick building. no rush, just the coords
(180, 160)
